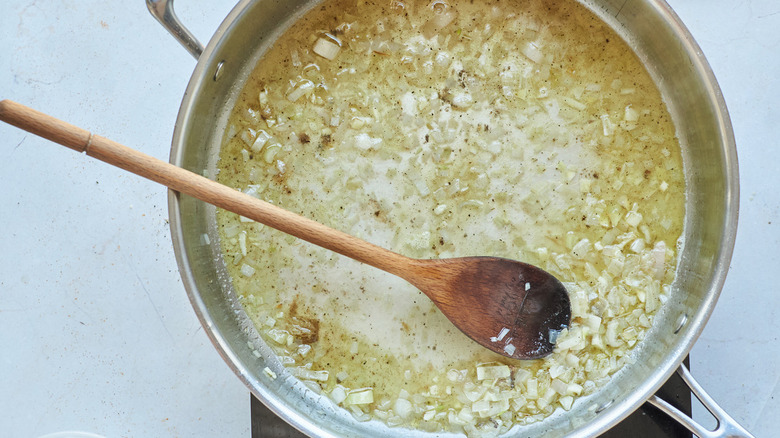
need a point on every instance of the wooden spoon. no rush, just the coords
(510, 307)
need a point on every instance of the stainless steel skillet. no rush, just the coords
(682, 74)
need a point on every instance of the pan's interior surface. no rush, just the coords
(673, 60)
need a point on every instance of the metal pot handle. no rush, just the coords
(162, 10)
(727, 427)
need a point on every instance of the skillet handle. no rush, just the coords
(163, 11)
(727, 427)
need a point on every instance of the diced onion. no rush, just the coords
(574, 103)
(439, 21)
(338, 394)
(302, 88)
(366, 142)
(270, 152)
(532, 52)
(360, 396)
(403, 408)
(492, 372)
(325, 48)
(560, 387)
(268, 372)
(631, 115)
(248, 136)
(532, 389)
(659, 259)
(307, 374)
(633, 218)
(247, 270)
(304, 349)
(260, 140)
(462, 100)
(566, 402)
(608, 128)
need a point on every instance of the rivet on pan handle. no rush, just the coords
(727, 427)
(162, 10)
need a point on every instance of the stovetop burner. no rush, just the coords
(646, 422)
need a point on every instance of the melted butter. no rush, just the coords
(467, 143)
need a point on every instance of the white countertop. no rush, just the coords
(96, 331)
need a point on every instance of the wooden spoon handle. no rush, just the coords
(194, 185)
